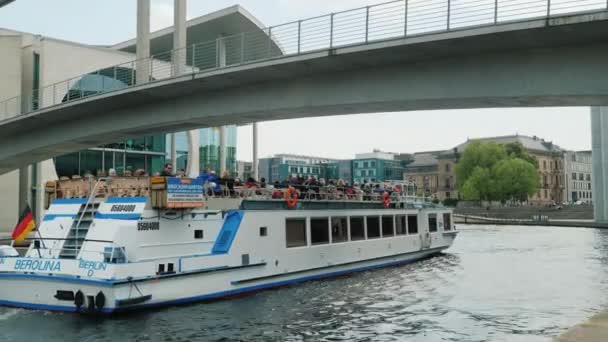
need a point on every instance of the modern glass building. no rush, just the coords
(209, 149)
(147, 153)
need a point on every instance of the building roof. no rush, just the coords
(226, 22)
(534, 144)
(423, 159)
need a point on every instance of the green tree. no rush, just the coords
(478, 154)
(493, 172)
(517, 150)
(480, 186)
(516, 179)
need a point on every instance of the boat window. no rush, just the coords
(263, 231)
(388, 228)
(295, 230)
(412, 224)
(401, 224)
(339, 229)
(198, 234)
(447, 221)
(373, 227)
(432, 223)
(357, 230)
(319, 231)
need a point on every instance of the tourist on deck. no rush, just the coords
(112, 173)
(263, 183)
(139, 173)
(167, 171)
(181, 173)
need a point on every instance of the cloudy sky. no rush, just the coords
(112, 21)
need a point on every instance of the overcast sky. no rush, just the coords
(112, 21)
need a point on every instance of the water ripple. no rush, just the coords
(495, 284)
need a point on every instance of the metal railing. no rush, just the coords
(385, 21)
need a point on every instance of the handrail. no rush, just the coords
(360, 26)
(91, 198)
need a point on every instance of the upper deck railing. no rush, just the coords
(360, 26)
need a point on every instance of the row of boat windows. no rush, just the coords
(326, 230)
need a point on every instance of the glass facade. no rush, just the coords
(209, 149)
(147, 153)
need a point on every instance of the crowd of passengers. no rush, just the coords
(306, 188)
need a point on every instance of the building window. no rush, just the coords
(401, 224)
(544, 164)
(373, 227)
(357, 230)
(432, 223)
(448, 168)
(581, 177)
(574, 176)
(319, 231)
(339, 229)
(295, 230)
(447, 222)
(412, 224)
(388, 229)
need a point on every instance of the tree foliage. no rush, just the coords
(493, 172)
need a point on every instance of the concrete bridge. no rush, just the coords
(293, 71)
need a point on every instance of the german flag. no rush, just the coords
(24, 226)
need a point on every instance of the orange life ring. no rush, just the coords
(386, 200)
(291, 197)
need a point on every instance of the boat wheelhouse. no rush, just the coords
(119, 244)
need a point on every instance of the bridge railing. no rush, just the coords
(385, 21)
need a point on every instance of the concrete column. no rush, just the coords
(173, 152)
(179, 38)
(256, 175)
(179, 67)
(599, 133)
(143, 41)
(193, 168)
(222, 150)
(221, 52)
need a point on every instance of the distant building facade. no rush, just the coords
(244, 169)
(578, 177)
(284, 166)
(377, 166)
(434, 172)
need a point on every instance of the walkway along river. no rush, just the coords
(496, 284)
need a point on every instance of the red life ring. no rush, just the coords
(291, 197)
(386, 200)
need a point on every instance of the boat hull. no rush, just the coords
(39, 292)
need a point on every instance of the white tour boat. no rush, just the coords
(120, 244)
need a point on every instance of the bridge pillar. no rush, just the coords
(599, 132)
(179, 38)
(143, 42)
(255, 152)
(222, 150)
(179, 67)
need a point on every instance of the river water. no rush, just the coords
(494, 284)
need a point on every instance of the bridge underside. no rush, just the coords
(535, 64)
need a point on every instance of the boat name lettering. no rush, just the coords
(38, 265)
(92, 265)
(121, 208)
(147, 226)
